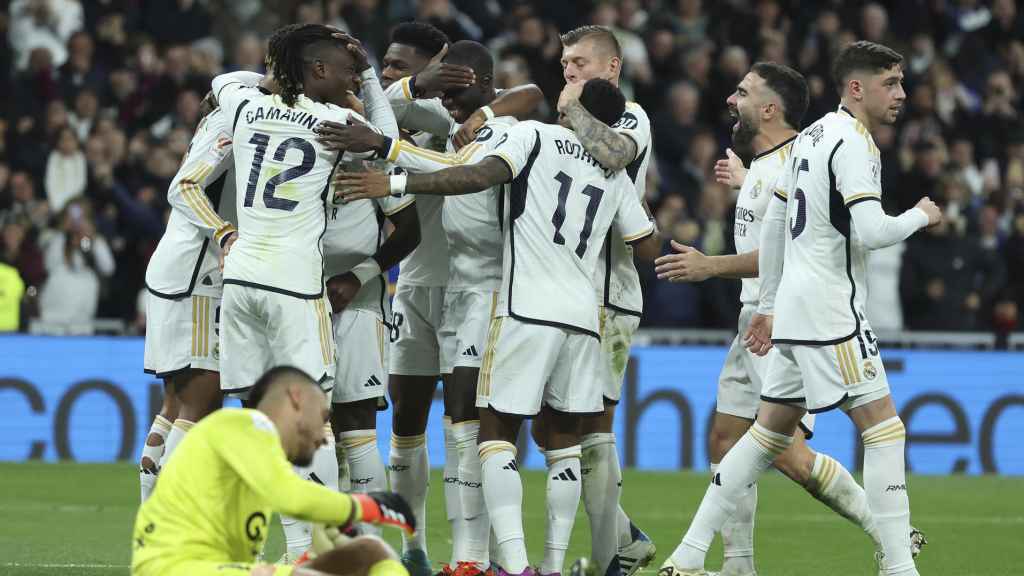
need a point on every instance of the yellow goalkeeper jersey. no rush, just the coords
(215, 496)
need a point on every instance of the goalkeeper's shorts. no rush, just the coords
(214, 568)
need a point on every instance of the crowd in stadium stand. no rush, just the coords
(101, 97)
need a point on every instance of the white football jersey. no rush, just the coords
(283, 177)
(834, 164)
(751, 205)
(427, 265)
(201, 196)
(556, 213)
(471, 221)
(617, 280)
(355, 232)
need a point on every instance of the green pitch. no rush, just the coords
(76, 519)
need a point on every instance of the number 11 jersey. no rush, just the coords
(283, 177)
(556, 214)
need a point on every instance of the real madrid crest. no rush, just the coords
(869, 370)
(756, 190)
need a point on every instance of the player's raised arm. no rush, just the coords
(519, 102)
(613, 150)
(453, 181)
(413, 101)
(378, 109)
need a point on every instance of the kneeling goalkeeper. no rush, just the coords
(210, 511)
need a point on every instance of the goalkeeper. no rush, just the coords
(210, 510)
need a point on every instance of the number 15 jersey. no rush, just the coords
(556, 214)
(283, 178)
(834, 165)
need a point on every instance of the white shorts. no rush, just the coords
(467, 318)
(742, 377)
(261, 329)
(617, 331)
(362, 341)
(821, 378)
(417, 313)
(526, 366)
(181, 334)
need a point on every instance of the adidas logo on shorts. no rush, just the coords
(373, 381)
(471, 351)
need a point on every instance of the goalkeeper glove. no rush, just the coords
(386, 508)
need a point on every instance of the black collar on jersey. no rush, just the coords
(264, 90)
(774, 149)
(843, 108)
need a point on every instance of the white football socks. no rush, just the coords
(149, 462)
(885, 483)
(410, 472)
(602, 488)
(477, 526)
(503, 493)
(738, 533)
(452, 497)
(624, 528)
(178, 431)
(366, 468)
(834, 486)
(563, 498)
(740, 468)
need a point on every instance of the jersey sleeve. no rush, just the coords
(630, 217)
(248, 443)
(421, 160)
(635, 124)
(515, 147)
(342, 116)
(208, 157)
(423, 114)
(390, 205)
(233, 88)
(858, 168)
(377, 106)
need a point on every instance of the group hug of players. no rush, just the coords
(517, 289)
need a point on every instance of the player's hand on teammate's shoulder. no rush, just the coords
(687, 265)
(730, 170)
(386, 508)
(352, 186)
(758, 338)
(933, 212)
(353, 137)
(355, 104)
(467, 132)
(341, 289)
(571, 93)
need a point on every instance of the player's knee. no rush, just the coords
(361, 415)
(721, 440)
(796, 463)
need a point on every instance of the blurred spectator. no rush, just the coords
(25, 202)
(65, 170)
(45, 24)
(249, 53)
(689, 22)
(76, 259)
(175, 21)
(923, 178)
(19, 250)
(84, 115)
(635, 67)
(999, 115)
(949, 282)
(677, 124)
(79, 72)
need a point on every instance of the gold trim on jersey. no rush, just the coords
(406, 202)
(488, 449)
(635, 237)
(772, 445)
(780, 194)
(483, 387)
(192, 192)
(406, 91)
(861, 196)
